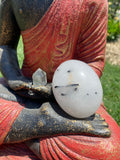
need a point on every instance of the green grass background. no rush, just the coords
(110, 81)
(111, 90)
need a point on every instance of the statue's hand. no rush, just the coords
(42, 92)
(19, 84)
(25, 88)
(36, 88)
(58, 122)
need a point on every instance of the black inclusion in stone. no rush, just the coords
(62, 94)
(75, 89)
(56, 87)
(95, 92)
(87, 94)
(69, 71)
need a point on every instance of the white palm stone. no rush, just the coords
(77, 88)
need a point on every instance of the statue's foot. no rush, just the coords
(58, 122)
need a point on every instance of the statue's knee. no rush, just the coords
(111, 149)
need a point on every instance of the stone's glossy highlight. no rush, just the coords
(77, 88)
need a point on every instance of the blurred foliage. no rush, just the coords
(113, 20)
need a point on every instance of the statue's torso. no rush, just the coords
(61, 29)
(53, 39)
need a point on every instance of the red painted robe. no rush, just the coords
(70, 29)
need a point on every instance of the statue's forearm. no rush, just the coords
(9, 64)
(49, 120)
(10, 69)
(27, 126)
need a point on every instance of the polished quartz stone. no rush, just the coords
(77, 88)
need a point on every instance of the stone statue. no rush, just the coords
(32, 125)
